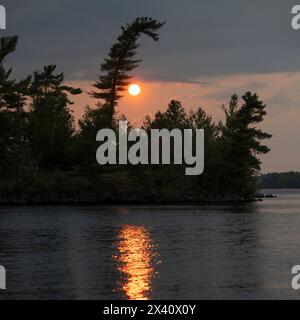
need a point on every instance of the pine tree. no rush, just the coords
(51, 120)
(121, 61)
(13, 95)
(174, 117)
(241, 144)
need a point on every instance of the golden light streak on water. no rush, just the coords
(136, 257)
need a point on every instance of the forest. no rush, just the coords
(279, 180)
(48, 158)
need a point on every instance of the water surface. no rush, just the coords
(145, 252)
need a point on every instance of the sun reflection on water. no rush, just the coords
(136, 257)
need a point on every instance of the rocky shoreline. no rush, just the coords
(121, 194)
(260, 195)
(148, 202)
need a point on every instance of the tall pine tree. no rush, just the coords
(13, 122)
(121, 61)
(51, 120)
(241, 144)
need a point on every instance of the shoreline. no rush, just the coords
(137, 201)
(129, 203)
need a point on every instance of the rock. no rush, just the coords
(259, 195)
(270, 196)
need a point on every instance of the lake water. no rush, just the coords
(160, 252)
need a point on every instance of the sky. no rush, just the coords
(208, 50)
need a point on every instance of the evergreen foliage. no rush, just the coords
(121, 61)
(46, 157)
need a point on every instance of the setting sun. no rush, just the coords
(134, 90)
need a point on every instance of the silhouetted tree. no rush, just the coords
(121, 61)
(51, 120)
(284, 180)
(241, 144)
(111, 83)
(209, 180)
(175, 117)
(13, 95)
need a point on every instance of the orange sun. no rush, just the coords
(134, 90)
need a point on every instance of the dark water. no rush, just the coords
(189, 252)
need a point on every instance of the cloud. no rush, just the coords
(200, 39)
(223, 95)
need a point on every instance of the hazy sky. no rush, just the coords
(208, 50)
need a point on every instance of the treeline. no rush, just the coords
(282, 180)
(45, 157)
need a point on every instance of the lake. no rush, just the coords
(152, 252)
